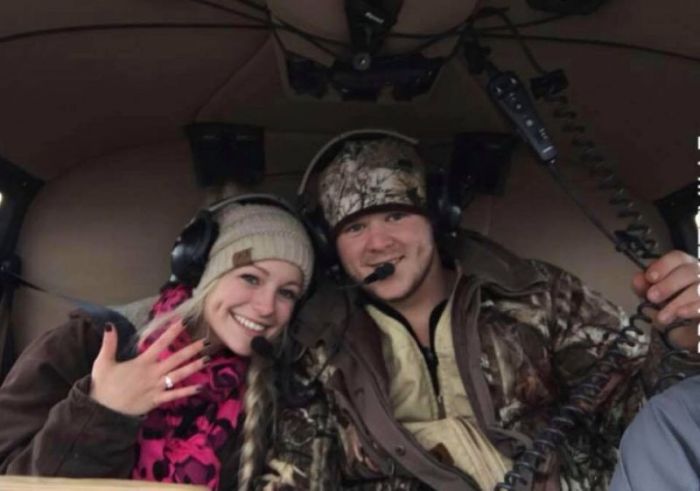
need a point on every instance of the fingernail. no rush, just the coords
(108, 327)
(207, 343)
(206, 359)
(653, 294)
(653, 275)
(199, 388)
(664, 317)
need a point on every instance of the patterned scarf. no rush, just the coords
(178, 441)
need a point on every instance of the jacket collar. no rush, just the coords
(326, 316)
(492, 264)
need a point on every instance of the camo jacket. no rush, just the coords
(527, 333)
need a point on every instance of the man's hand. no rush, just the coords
(675, 277)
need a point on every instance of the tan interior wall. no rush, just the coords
(536, 219)
(103, 233)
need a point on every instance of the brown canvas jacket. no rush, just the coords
(525, 332)
(49, 425)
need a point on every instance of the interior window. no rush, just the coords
(17, 189)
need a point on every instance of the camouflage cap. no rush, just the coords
(367, 174)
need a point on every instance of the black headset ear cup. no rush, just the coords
(434, 183)
(189, 255)
(321, 237)
(443, 209)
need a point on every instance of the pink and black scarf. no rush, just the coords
(179, 440)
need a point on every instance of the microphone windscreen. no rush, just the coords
(262, 347)
(384, 270)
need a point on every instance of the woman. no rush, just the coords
(170, 412)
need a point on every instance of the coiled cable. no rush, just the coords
(580, 406)
(637, 234)
(635, 243)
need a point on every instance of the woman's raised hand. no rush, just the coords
(137, 386)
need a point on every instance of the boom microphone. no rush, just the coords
(381, 272)
(263, 347)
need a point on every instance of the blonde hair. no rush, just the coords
(260, 409)
(191, 311)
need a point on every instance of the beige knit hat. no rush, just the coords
(255, 232)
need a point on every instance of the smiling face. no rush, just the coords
(250, 301)
(402, 238)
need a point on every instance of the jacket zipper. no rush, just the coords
(432, 366)
(375, 385)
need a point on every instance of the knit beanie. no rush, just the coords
(367, 174)
(255, 232)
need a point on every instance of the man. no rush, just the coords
(660, 449)
(442, 373)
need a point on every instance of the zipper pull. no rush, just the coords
(441, 406)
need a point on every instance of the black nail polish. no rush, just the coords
(108, 327)
(207, 343)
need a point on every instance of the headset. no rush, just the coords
(445, 201)
(190, 253)
(189, 258)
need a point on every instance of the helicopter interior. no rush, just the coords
(100, 173)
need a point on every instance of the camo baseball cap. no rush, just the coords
(371, 174)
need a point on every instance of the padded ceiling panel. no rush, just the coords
(631, 106)
(83, 96)
(68, 98)
(669, 25)
(34, 15)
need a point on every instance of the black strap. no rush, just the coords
(99, 314)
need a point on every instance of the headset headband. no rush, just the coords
(248, 198)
